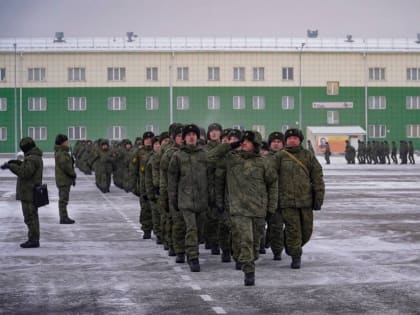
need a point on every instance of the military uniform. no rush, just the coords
(102, 161)
(29, 174)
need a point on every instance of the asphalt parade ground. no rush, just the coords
(363, 258)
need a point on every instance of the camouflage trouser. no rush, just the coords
(166, 223)
(178, 232)
(30, 215)
(276, 232)
(156, 218)
(145, 219)
(225, 231)
(194, 224)
(298, 229)
(63, 200)
(247, 233)
(211, 227)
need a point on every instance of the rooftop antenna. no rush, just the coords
(312, 33)
(418, 38)
(59, 37)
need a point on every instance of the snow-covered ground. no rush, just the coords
(364, 256)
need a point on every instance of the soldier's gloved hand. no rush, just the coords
(153, 199)
(269, 216)
(235, 144)
(220, 210)
(317, 204)
(145, 198)
(73, 182)
(4, 166)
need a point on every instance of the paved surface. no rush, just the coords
(364, 256)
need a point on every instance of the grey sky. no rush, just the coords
(283, 18)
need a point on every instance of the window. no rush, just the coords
(182, 102)
(36, 74)
(3, 104)
(238, 127)
(288, 102)
(3, 133)
(2, 74)
(213, 102)
(284, 128)
(214, 74)
(116, 74)
(239, 74)
(376, 131)
(332, 87)
(413, 131)
(37, 133)
(258, 102)
(332, 117)
(152, 74)
(412, 102)
(182, 73)
(287, 73)
(37, 104)
(76, 103)
(239, 102)
(413, 74)
(152, 128)
(152, 103)
(117, 103)
(377, 74)
(77, 133)
(76, 74)
(117, 133)
(377, 102)
(258, 74)
(260, 129)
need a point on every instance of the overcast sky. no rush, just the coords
(283, 18)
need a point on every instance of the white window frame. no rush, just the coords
(376, 131)
(117, 103)
(152, 103)
(182, 74)
(213, 102)
(377, 102)
(213, 74)
(76, 74)
(238, 102)
(287, 74)
(260, 129)
(413, 131)
(152, 128)
(3, 133)
(38, 133)
(413, 74)
(76, 103)
(333, 117)
(117, 132)
(3, 104)
(377, 74)
(258, 102)
(258, 73)
(116, 74)
(238, 127)
(412, 102)
(182, 103)
(333, 87)
(77, 132)
(2, 74)
(239, 74)
(37, 74)
(287, 102)
(36, 104)
(152, 74)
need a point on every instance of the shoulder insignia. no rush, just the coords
(134, 160)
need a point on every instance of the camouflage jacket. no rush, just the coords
(64, 166)
(163, 176)
(137, 169)
(296, 184)
(251, 181)
(29, 174)
(187, 179)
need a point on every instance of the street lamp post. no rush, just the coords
(300, 84)
(15, 100)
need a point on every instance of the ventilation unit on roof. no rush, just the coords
(130, 36)
(312, 34)
(418, 38)
(349, 38)
(59, 37)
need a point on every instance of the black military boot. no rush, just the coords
(147, 235)
(171, 251)
(277, 256)
(215, 250)
(249, 278)
(30, 244)
(295, 263)
(158, 240)
(180, 258)
(66, 220)
(194, 265)
(238, 265)
(226, 256)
